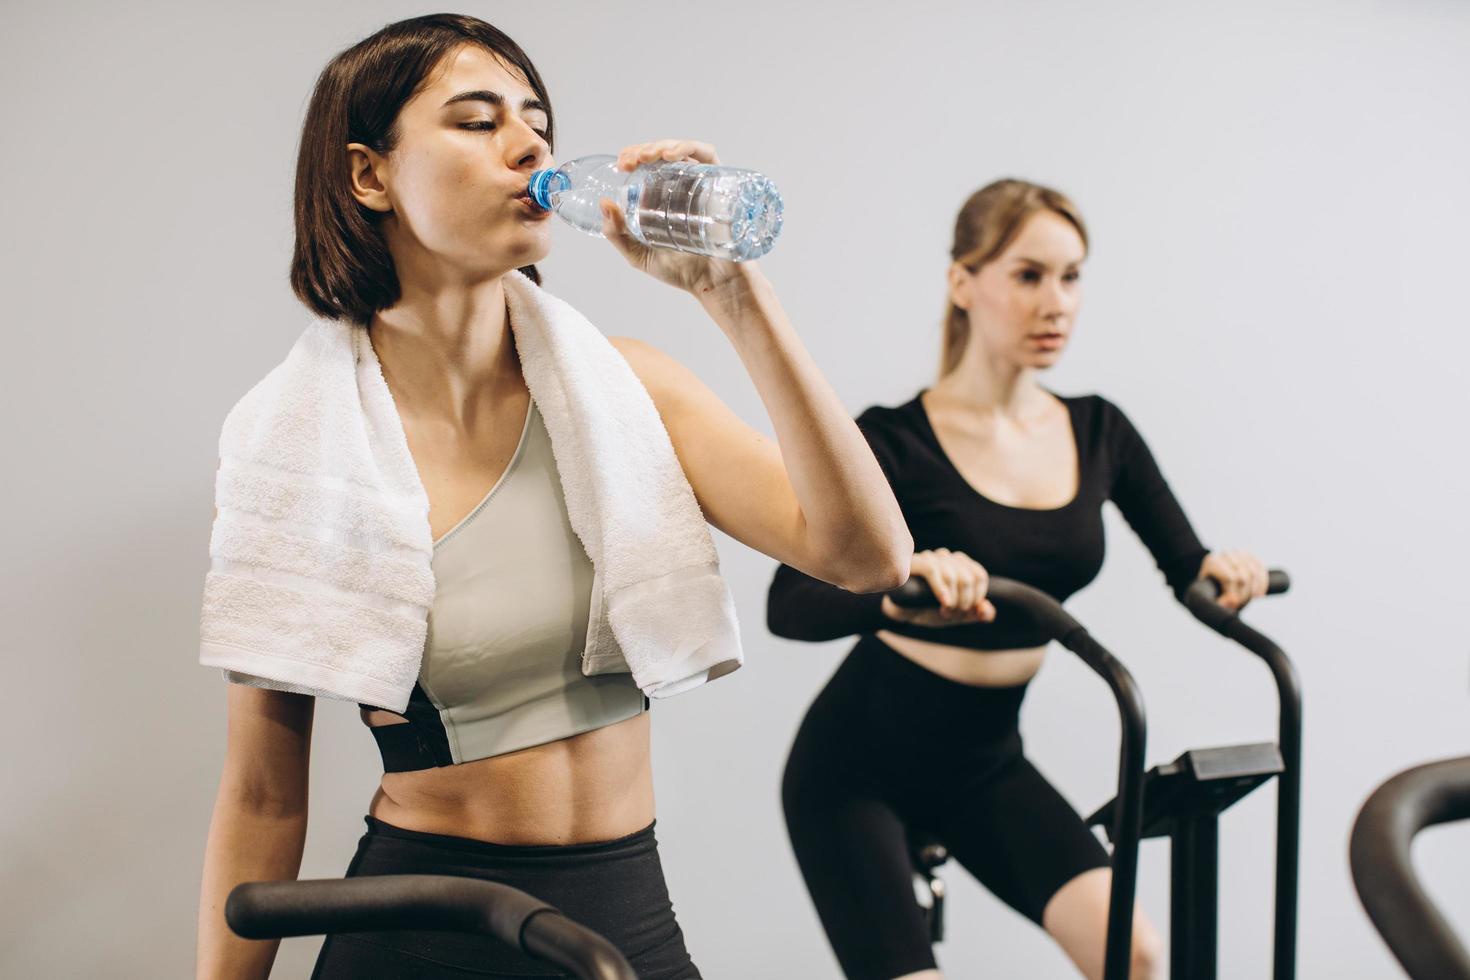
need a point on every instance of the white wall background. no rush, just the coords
(1278, 197)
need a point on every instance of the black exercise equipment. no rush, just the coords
(275, 909)
(1182, 799)
(1404, 914)
(1060, 626)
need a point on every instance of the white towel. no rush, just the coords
(320, 581)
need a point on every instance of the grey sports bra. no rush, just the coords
(502, 667)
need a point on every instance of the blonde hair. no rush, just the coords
(985, 227)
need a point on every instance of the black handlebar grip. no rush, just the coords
(1016, 598)
(271, 909)
(1201, 598)
(1277, 582)
(914, 594)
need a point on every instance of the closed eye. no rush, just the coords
(486, 125)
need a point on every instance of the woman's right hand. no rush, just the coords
(697, 274)
(958, 582)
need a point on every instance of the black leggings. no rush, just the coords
(890, 748)
(615, 888)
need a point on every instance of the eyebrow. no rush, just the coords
(494, 98)
(1038, 262)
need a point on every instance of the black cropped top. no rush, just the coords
(1057, 550)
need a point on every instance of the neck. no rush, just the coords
(984, 384)
(447, 353)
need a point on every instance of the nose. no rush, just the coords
(1057, 301)
(526, 150)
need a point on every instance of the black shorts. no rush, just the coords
(889, 749)
(615, 888)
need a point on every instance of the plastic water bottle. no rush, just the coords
(706, 208)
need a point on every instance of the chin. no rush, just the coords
(531, 248)
(518, 246)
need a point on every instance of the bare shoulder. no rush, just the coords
(695, 416)
(660, 373)
(672, 387)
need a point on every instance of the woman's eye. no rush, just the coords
(480, 124)
(1029, 277)
(1072, 277)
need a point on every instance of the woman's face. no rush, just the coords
(1023, 303)
(454, 186)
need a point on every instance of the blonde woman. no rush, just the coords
(995, 475)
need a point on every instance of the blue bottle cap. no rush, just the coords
(544, 183)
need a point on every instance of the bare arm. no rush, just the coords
(815, 499)
(818, 500)
(259, 825)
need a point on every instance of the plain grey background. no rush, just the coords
(1277, 194)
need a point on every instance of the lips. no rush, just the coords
(530, 209)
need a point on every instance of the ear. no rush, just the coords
(367, 169)
(959, 285)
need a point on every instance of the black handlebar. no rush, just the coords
(1046, 611)
(274, 909)
(1277, 582)
(1202, 595)
(1200, 599)
(1127, 826)
(1405, 915)
(916, 594)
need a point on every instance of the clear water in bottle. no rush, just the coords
(706, 208)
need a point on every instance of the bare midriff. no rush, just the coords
(595, 786)
(978, 668)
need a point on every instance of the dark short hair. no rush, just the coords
(341, 266)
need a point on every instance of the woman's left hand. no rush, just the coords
(1242, 576)
(698, 274)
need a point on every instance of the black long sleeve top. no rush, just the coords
(1057, 550)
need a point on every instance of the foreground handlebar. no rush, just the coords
(274, 909)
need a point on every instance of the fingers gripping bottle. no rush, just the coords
(705, 208)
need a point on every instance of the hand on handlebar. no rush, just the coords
(958, 582)
(1240, 574)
